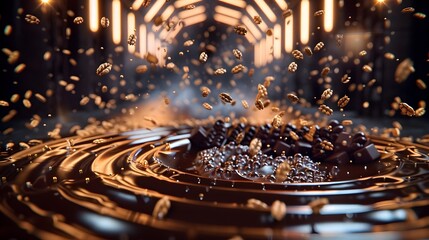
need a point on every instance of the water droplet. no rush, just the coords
(198, 180)
(187, 189)
(201, 196)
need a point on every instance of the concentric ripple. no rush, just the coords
(107, 186)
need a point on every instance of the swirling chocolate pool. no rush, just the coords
(107, 186)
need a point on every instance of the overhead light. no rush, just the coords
(305, 23)
(328, 20)
(116, 21)
(93, 15)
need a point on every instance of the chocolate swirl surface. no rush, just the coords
(108, 186)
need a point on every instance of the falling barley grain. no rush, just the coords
(20, 68)
(78, 20)
(161, 208)
(278, 210)
(32, 19)
(319, 13)
(103, 69)
(105, 22)
(207, 106)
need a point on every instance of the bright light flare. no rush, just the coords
(328, 19)
(305, 23)
(288, 40)
(93, 15)
(45, 1)
(116, 21)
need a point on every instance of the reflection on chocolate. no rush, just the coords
(96, 188)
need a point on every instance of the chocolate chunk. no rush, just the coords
(354, 147)
(338, 129)
(324, 133)
(290, 127)
(339, 158)
(343, 141)
(366, 154)
(219, 124)
(219, 140)
(198, 137)
(333, 123)
(359, 139)
(303, 148)
(281, 147)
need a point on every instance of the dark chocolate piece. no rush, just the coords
(303, 148)
(339, 158)
(366, 154)
(198, 138)
(343, 142)
(281, 147)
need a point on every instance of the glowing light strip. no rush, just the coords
(251, 27)
(163, 34)
(250, 38)
(151, 43)
(153, 10)
(182, 3)
(116, 21)
(167, 12)
(289, 34)
(257, 61)
(328, 19)
(282, 4)
(252, 12)
(305, 21)
(267, 10)
(225, 19)
(269, 48)
(189, 13)
(228, 11)
(93, 15)
(195, 19)
(236, 3)
(142, 39)
(137, 4)
(172, 34)
(158, 52)
(165, 15)
(131, 26)
(263, 52)
(277, 41)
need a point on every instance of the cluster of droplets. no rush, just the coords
(232, 161)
